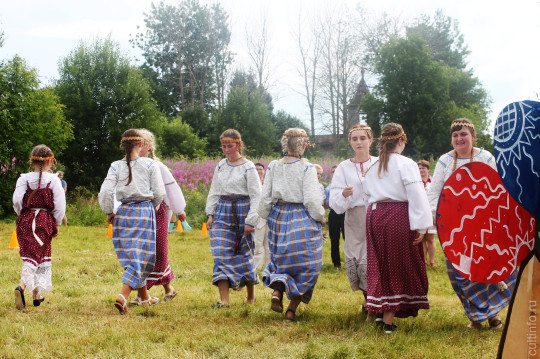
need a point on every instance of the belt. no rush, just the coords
(284, 203)
(36, 212)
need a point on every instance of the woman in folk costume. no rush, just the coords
(429, 239)
(40, 203)
(398, 216)
(347, 196)
(139, 187)
(292, 201)
(231, 209)
(174, 199)
(481, 301)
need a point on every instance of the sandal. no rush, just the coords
(122, 307)
(149, 302)
(20, 303)
(220, 305)
(134, 302)
(287, 317)
(37, 302)
(277, 302)
(474, 325)
(170, 295)
(495, 322)
(432, 264)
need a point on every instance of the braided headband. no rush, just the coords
(456, 124)
(295, 135)
(38, 158)
(132, 138)
(367, 128)
(231, 141)
(395, 137)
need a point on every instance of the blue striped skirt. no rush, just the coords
(235, 267)
(134, 239)
(481, 301)
(296, 250)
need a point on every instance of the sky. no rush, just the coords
(503, 37)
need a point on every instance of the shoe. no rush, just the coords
(291, 317)
(379, 318)
(474, 325)
(122, 307)
(389, 328)
(170, 295)
(495, 322)
(134, 302)
(20, 303)
(276, 303)
(37, 302)
(151, 301)
(432, 264)
(220, 305)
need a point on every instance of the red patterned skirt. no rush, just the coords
(396, 272)
(162, 273)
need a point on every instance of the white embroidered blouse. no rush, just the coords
(32, 178)
(402, 182)
(294, 182)
(443, 171)
(146, 183)
(174, 198)
(349, 173)
(240, 180)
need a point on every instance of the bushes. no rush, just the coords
(83, 209)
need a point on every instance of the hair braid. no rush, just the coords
(38, 156)
(130, 139)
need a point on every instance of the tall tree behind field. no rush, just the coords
(104, 95)
(186, 51)
(29, 116)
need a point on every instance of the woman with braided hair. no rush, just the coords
(40, 203)
(398, 216)
(231, 209)
(481, 301)
(139, 188)
(292, 201)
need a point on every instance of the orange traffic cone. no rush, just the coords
(109, 232)
(14, 243)
(179, 227)
(204, 230)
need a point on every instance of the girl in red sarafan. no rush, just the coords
(40, 203)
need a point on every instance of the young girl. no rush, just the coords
(481, 301)
(174, 198)
(231, 209)
(429, 238)
(347, 196)
(397, 217)
(292, 201)
(139, 187)
(40, 203)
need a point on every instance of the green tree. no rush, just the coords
(186, 46)
(179, 140)
(247, 112)
(104, 96)
(424, 95)
(29, 116)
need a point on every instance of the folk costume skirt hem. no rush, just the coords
(295, 241)
(397, 280)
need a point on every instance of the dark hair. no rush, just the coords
(39, 155)
(391, 133)
(130, 139)
(260, 164)
(458, 125)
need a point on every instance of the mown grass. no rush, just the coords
(78, 318)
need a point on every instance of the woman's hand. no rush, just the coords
(110, 218)
(209, 222)
(348, 191)
(418, 239)
(323, 222)
(181, 217)
(248, 230)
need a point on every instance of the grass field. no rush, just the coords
(78, 318)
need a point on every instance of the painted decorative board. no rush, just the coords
(483, 231)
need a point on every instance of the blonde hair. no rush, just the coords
(235, 135)
(458, 125)
(318, 167)
(148, 139)
(293, 141)
(391, 133)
